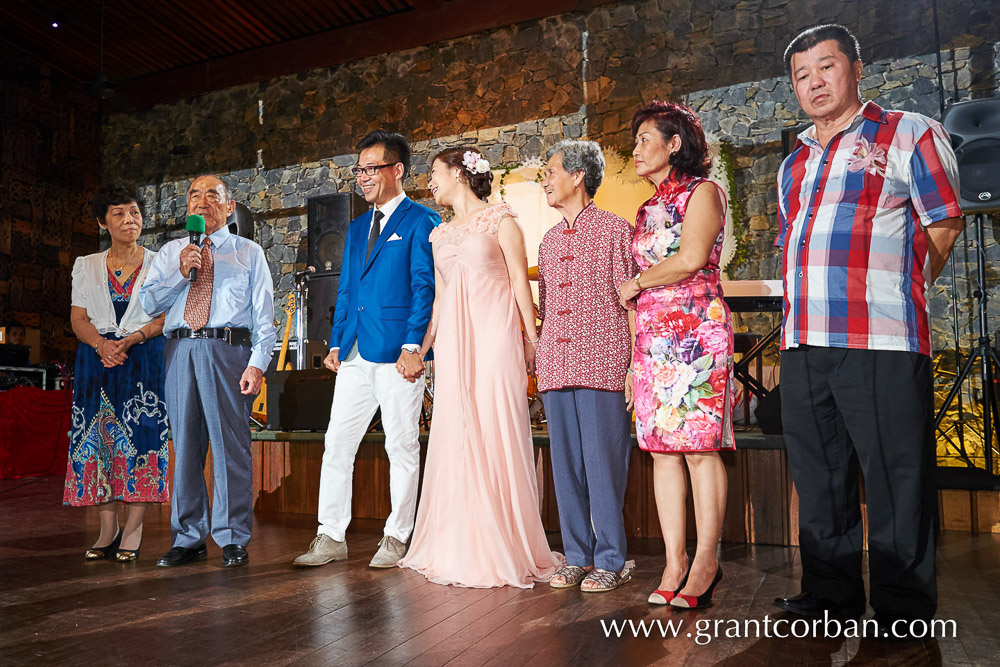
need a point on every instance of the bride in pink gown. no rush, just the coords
(478, 523)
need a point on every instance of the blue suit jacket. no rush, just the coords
(386, 302)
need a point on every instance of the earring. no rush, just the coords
(458, 179)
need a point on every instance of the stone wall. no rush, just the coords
(49, 167)
(516, 90)
(495, 79)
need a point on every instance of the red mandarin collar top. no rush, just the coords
(585, 340)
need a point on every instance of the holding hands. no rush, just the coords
(629, 291)
(410, 365)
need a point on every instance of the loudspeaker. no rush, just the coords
(974, 127)
(320, 306)
(241, 222)
(299, 400)
(329, 218)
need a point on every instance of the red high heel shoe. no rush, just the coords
(682, 601)
(664, 597)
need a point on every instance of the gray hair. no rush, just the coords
(582, 156)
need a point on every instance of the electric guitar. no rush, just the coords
(259, 409)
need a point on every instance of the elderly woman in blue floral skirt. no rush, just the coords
(118, 445)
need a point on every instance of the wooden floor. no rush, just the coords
(57, 609)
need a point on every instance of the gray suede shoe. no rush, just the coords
(390, 550)
(323, 549)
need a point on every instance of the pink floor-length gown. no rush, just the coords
(478, 523)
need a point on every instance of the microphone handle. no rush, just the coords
(195, 238)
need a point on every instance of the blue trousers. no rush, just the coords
(590, 442)
(204, 405)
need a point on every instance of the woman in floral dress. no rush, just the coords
(683, 358)
(118, 445)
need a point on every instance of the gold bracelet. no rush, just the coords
(637, 283)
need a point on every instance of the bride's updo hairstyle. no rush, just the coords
(473, 166)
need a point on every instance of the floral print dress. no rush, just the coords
(683, 360)
(118, 443)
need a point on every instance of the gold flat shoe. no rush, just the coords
(126, 555)
(100, 553)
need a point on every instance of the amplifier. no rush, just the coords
(299, 400)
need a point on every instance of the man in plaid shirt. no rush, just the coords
(869, 211)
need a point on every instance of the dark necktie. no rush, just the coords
(373, 234)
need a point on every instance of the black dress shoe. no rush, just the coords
(234, 555)
(182, 556)
(809, 604)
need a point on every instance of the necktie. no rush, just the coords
(373, 234)
(199, 298)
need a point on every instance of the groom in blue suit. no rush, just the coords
(384, 302)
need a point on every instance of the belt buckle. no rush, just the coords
(200, 333)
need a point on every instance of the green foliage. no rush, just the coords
(742, 251)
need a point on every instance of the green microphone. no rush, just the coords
(195, 228)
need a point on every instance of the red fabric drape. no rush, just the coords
(34, 432)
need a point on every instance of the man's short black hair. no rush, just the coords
(396, 147)
(805, 40)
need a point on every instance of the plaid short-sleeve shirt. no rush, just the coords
(855, 260)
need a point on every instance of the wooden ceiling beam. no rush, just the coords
(450, 20)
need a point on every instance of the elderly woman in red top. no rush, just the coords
(582, 360)
(683, 359)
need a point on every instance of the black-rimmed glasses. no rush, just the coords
(370, 171)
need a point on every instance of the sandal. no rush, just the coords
(572, 576)
(607, 580)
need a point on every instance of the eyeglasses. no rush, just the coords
(370, 171)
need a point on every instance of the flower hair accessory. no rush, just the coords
(475, 163)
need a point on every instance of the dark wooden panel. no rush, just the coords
(766, 497)
(635, 509)
(734, 526)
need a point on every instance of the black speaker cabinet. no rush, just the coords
(974, 127)
(329, 218)
(320, 306)
(241, 222)
(299, 400)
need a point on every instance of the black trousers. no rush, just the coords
(841, 408)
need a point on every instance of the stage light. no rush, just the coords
(55, 24)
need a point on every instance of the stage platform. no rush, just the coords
(56, 609)
(762, 506)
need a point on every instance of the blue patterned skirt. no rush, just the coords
(118, 446)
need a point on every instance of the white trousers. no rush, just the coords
(362, 387)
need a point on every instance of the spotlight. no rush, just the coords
(55, 24)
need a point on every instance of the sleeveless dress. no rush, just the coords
(478, 523)
(684, 338)
(118, 444)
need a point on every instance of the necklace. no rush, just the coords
(118, 271)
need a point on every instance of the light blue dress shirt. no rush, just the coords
(242, 291)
